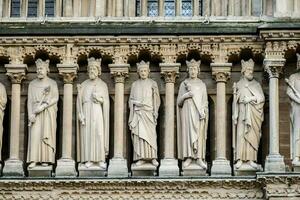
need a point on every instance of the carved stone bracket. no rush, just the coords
(170, 71)
(274, 67)
(68, 72)
(221, 71)
(119, 72)
(16, 72)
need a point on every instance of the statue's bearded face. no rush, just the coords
(41, 71)
(193, 72)
(93, 72)
(144, 72)
(248, 73)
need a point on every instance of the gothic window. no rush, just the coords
(49, 8)
(187, 8)
(169, 8)
(152, 8)
(15, 8)
(32, 8)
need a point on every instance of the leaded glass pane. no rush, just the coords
(152, 8)
(49, 8)
(169, 8)
(187, 8)
(32, 8)
(15, 8)
(138, 8)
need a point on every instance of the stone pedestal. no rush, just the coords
(193, 170)
(13, 168)
(168, 167)
(274, 164)
(146, 169)
(117, 168)
(93, 171)
(296, 167)
(246, 170)
(65, 168)
(221, 73)
(40, 171)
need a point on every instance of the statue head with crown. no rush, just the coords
(94, 68)
(143, 69)
(193, 68)
(247, 69)
(42, 68)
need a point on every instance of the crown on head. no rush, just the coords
(142, 64)
(193, 63)
(94, 61)
(40, 62)
(247, 64)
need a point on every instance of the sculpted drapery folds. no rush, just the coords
(3, 101)
(192, 118)
(144, 102)
(248, 116)
(93, 118)
(293, 91)
(42, 110)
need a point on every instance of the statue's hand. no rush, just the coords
(82, 120)
(39, 109)
(188, 95)
(249, 99)
(32, 118)
(137, 103)
(202, 114)
(97, 98)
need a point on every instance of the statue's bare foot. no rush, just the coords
(140, 162)
(45, 164)
(238, 164)
(187, 162)
(154, 162)
(253, 164)
(201, 163)
(32, 165)
(296, 161)
(102, 165)
(88, 164)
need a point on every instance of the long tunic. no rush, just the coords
(191, 126)
(93, 137)
(42, 133)
(294, 115)
(142, 119)
(3, 101)
(249, 119)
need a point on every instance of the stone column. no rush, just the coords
(274, 161)
(118, 164)
(130, 8)
(66, 164)
(221, 73)
(144, 8)
(169, 165)
(67, 8)
(100, 10)
(119, 8)
(41, 8)
(14, 166)
(195, 7)
(178, 7)
(282, 8)
(161, 8)
(58, 8)
(296, 12)
(24, 8)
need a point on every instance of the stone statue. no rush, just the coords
(248, 115)
(293, 90)
(93, 118)
(3, 101)
(144, 102)
(42, 110)
(192, 118)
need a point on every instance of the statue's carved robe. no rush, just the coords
(42, 133)
(142, 119)
(191, 126)
(93, 137)
(294, 115)
(249, 118)
(3, 101)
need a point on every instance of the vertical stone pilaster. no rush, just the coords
(119, 8)
(118, 164)
(100, 10)
(195, 7)
(274, 161)
(221, 73)
(66, 164)
(58, 8)
(161, 8)
(144, 8)
(67, 8)
(14, 166)
(169, 165)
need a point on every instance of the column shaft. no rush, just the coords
(118, 120)
(144, 8)
(221, 120)
(119, 8)
(169, 121)
(161, 8)
(68, 8)
(100, 8)
(274, 116)
(195, 7)
(58, 8)
(41, 8)
(67, 121)
(178, 7)
(15, 121)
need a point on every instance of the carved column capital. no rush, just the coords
(68, 72)
(16, 72)
(119, 72)
(221, 71)
(274, 67)
(169, 71)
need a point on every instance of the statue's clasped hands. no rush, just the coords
(248, 99)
